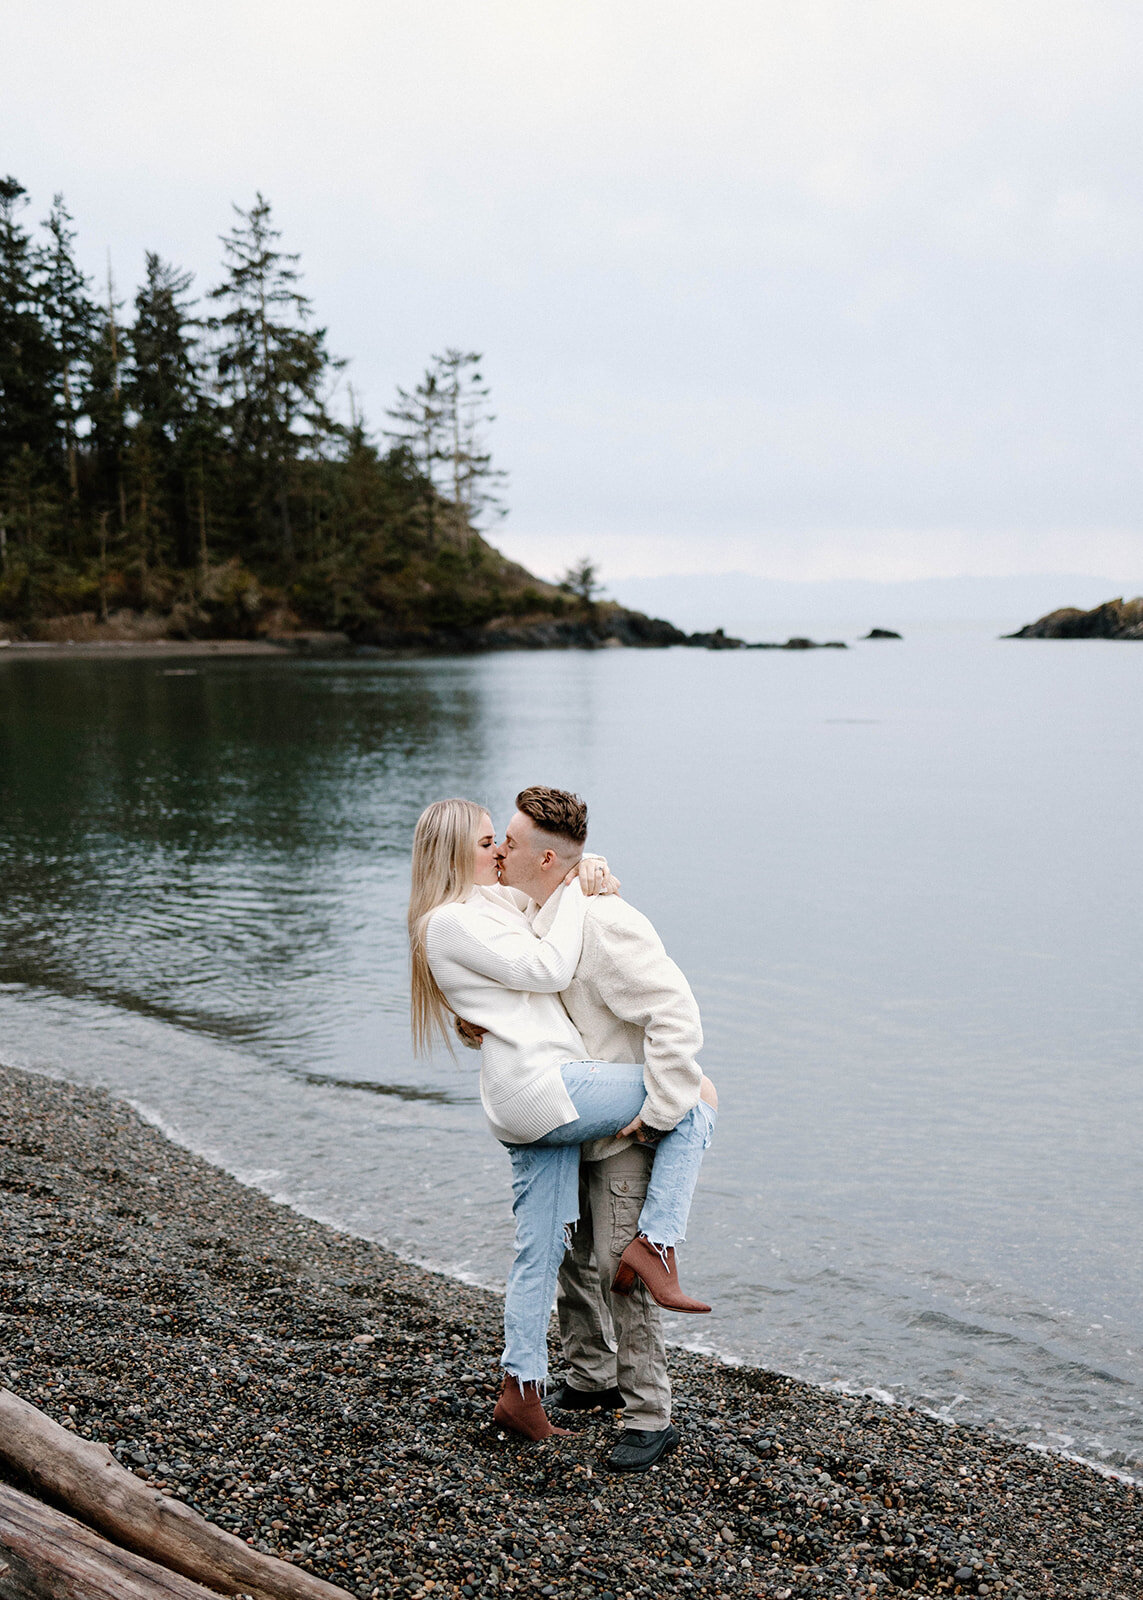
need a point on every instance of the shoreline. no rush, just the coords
(332, 1403)
(723, 1355)
(623, 631)
(160, 649)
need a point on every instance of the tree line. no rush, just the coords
(182, 456)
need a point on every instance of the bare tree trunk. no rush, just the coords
(87, 1479)
(203, 554)
(122, 492)
(457, 482)
(144, 516)
(69, 429)
(284, 515)
(429, 443)
(103, 566)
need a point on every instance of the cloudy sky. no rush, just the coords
(846, 288)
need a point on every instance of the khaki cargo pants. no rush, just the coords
(613, 1339)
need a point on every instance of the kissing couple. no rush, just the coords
(588, 1034)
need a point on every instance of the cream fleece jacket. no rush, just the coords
(630, 1002)
(493, 970)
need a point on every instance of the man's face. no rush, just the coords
(521, 857)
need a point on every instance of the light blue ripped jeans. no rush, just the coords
(545, 1188)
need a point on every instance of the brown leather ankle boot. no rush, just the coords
(521, 1408)
(643, 1262)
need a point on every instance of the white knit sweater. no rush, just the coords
(495, 972)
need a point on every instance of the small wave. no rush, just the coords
(64, 986)
(1063, 1366)
(1084, 1461)
(944, 1414)
(400, 1091)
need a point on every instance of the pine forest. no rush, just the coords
(171, 463)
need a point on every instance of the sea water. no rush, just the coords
(903, 880)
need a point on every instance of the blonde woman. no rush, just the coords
(475, 956)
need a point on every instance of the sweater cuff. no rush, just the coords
(653, 1119)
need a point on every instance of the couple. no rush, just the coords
(499, 937)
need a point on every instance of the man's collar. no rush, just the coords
(542, 917)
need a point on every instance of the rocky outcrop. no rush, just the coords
(718, 640)
(1114, 619)
(607, 626)
(610, 627)
(881, 633)
(804, 644)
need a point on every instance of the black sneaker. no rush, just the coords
(565, 1398)
(639, 1448)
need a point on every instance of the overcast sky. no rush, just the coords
(840, 288)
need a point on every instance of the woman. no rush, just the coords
(475, 956)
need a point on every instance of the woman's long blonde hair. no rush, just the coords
(444, 853)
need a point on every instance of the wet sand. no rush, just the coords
(332, 1404)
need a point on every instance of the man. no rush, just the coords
(629, 1002)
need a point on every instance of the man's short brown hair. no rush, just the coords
(555, 811)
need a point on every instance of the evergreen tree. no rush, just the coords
(173, 421)
(472, 479)
(30, 520)
(421, 437)
(107, 410)
(273, 368)
(165, 386)
(27, 362)
(70, 319)
(441, 425)
(582, 580)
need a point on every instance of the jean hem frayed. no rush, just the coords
(540, 1383)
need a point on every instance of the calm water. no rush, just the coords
(903, 879)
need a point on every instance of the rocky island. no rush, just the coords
(1114, 619)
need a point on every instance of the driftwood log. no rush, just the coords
(45, 1555)
(86, 1478)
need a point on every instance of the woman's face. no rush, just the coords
(484, 867)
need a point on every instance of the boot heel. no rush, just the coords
(625, 1279)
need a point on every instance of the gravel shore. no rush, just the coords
(332, 1404)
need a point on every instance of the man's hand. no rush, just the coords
(642, 1133)
(469, 1034)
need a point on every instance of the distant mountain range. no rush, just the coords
(756, 608)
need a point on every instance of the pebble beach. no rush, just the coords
(331, 1404)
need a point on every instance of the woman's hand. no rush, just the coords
(469, 1033)
(595, 877)
(642, 1133)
